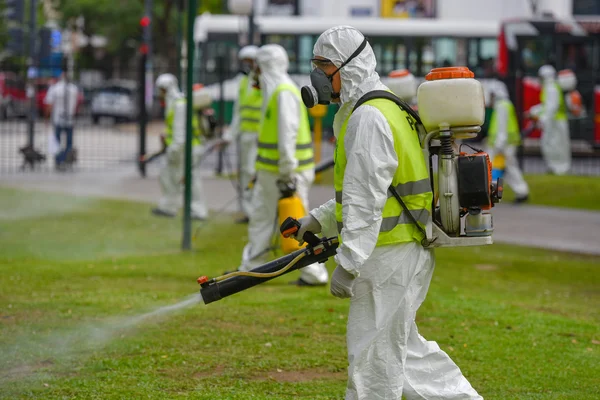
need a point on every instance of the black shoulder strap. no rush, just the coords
(384, 94)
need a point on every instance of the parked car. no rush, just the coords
(13, 97)
(117, 100)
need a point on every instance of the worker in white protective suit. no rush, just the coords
(504, 136)
(285, 155)
(244, 126)
(552, 114)
(381, 265)
(172, 172)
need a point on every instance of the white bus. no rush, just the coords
(418, 45)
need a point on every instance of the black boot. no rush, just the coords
(520, 200)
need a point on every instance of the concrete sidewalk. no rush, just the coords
(525, 225)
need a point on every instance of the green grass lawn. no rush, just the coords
(582, 192)
(521, 323)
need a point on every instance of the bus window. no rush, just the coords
(482, 53)
(536, 52)
(413, 60)
(473, 57)
(400, 56)
(305, 52)
(387, 59)
(449, 52)
(377, 50)
(576, 56)
(427, 57)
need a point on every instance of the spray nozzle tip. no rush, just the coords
(202, 280)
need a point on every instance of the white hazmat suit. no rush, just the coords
(387, 356)
(503, 143)
(246, 141)
(172, 172)
(555, 141)
(273, 63)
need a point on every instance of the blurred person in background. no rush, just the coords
(552, 115)
(504, 136)
(285, 159)
(381, 264)
(172, 172)
(245, 125)
(61, 102)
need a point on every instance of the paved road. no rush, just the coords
(535, 226)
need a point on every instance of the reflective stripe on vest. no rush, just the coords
(250, 101)
(512, 126)
(169, 125)
(561, 113)
(411, 179)
(268, 147)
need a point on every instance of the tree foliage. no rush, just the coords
(119, 22)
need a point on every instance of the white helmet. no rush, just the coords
(547, 72)
(248, 52)
(498, 88)
(166, 82)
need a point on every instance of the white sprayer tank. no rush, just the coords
(451, 97)
(201, 97)
(567, 80)
(403, 84)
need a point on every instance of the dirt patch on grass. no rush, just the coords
(545, 310)
(486, 267)
(216, 371)
(305, 375)
(23, 371)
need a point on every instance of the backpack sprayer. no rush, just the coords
(451, 106)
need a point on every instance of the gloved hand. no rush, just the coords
(307, 224)
(174, 156)
(341, 283)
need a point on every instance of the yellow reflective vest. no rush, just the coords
(268, 147)
(169, 122)
(250, 103)
(411, 179)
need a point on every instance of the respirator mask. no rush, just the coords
(320, 90)
(246, 67)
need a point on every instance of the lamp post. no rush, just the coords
(244, 7)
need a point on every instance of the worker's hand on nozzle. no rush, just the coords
(307, 224)
(342, 282)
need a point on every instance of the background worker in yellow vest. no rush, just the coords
(381, 265)
(285, 154)
(552, 114)
(244, 125)
(172, 171)
(504, 136)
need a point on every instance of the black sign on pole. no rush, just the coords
(15, 11)
(14, 14)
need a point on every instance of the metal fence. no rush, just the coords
(106, 136)
(105, 129)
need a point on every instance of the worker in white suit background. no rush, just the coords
(553, 117)
(245, 125)
(285, 157)
(172, 172)
(504, 136)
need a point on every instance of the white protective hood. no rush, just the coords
(272, 59)
(358, 76)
